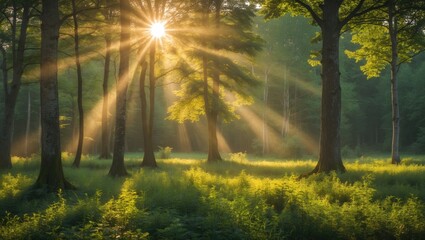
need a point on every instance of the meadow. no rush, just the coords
(244, 197)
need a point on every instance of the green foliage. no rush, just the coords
(375, 58)
(11, 185)
(237, 199)
(239, 157)
(222, 55)
(407, 18)
(165, 152)
(38, 225)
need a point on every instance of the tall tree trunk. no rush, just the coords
(106, 138)
(265, 100)
(330, 150)
(285, 102)
(118, 168)
(12, 92)
(143, 101)
(207, 104)
(149, 156)
(105, 154)
(27, 131)
(77, 159)
(212, 114)
(392, 24)
(51, 173)
(212, 118)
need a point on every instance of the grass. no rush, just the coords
(241, 198)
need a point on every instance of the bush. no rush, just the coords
(239, 157)
(165, 152)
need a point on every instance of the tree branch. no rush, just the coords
(313, 14)
(65, 17)
(356, 11)
(352, 13)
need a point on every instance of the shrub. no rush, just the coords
(239, 157)
(165, 152)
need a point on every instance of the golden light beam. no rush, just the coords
(258, 127)
(310, 143)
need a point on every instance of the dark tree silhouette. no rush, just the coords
(118, 168)
(51, 173)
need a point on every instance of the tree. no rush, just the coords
(151, 13)
(215, 75)
(162, 14)
(118, 168)
(332, 16)
(77, 159)
(108, 15)
(19, 21)
(51, 173)
(399, 25)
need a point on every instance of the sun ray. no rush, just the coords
(309, 142)
(258, 127)
(184, 140)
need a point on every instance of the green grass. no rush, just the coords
(241, 198)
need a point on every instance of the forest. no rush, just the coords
(212, 119)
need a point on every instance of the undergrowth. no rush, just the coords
(235, 199)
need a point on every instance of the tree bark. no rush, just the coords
(265, 100)
(143, 101)
(149, 156)
(77, 159)
(27, 130)
(286, 106)
(12, 91)
(392, 24)
(212, 119)
(211, 105)
(118, 168)
(105, 154)
(330, 151)
(51, 174)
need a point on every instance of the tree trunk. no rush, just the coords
(27, 131)
(143, 101)
(212, 111)
(330, 151)
(149, 156)
(118, 168)
(12, 92)
(51, 173)
(212, 118)
(265, 100)
(77, 159)
(105, 154)
(6, 137)
(285, 103)
(392, 24)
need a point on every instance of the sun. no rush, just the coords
(157, 29)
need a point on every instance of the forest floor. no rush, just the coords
(240, 198)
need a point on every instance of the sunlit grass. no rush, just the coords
(244, 197)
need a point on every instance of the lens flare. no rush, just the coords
(158, 30)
